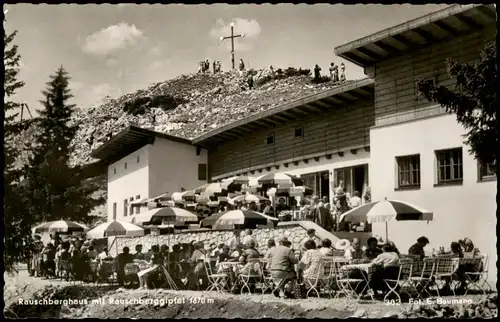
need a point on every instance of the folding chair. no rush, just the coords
(332, 285)
(267, 280)
(479, 278)
(346, 282)
(445, 271)
(404, 273)
(422, 278)
(250, 274)
(65, 269)
(216, 281)
(313, 281)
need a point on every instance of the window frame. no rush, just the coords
(115, 210)
(125, 207)
(451, 165)
(485, 178)
(206, 172)
(408, 158)
(301, 129)
(271, 136)
(418, 94)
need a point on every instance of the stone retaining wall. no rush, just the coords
(294, 232)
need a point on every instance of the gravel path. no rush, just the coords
(112, 302)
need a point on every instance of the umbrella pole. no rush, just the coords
(386, 232)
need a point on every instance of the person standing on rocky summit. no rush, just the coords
(331, 69)
(242, 65)
(317, 71)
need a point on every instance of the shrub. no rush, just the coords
(321, 80)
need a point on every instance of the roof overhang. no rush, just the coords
(321, 102)
(430, 29)
(129, 140)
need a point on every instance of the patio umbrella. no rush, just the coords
(115, 228)
(176, 216)
(210, 221)
(385, 211)
(177, 197)
(210, 189)
(163, 197)
(140, 203)
(189, 195)
(280, 179)
(61, 226)
(248, 199)
(246, 218)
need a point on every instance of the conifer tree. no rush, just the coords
(58, 190)
(17, 233)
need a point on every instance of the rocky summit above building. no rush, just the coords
(188, 106)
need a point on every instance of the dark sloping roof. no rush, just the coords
(289, 112)
(430, 29)
(129, 140)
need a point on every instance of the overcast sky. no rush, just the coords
(115, 49)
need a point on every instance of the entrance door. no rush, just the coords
(354, 178)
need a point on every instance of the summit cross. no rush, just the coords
(232, 41)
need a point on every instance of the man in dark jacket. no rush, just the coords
(282, 262)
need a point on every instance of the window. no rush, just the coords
(131, 199)
(114, 170)
(487, 171)
(298, 132)
(449, 166)
(137, 209)
(408, 171)
(125, 207)
(114, 211)
(138, 159)
(202, 171)
(198, 150)
(125, 165)
(270, 139)
(430, 81)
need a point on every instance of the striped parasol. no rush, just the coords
(249, 198)
(173, 215)
(282, 179)
(385, 211)
(61, 226)
(116, 228)
(189, 195)
(245, 218)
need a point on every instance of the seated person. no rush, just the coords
(223, 255)
(104, 254)
(326, 247)
(311, 235)
(311, 260)
(387, 268)
(248, 253)
(235, 255)
(139, 255)
(456, 250)
(270, 245)
(282, 267)
(216, 252)
(147, 276)
(354, 253)
(123, 259)
(198, 267)
(372, 251)
(418, 248)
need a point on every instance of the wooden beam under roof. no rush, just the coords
(323, 104)
(427, 36)
(486, 12)
(337, 100)
(313, 108)
(443, 26)
(404, 41)
(469, 22)
(370, 53)
(391, 50)
(292, 114)
(355, 58)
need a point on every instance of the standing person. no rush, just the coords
(36, 259)
(200, 67)
(282, 206)
(342, 72)
(336, 74)
(139, 255)
(331, 69)
(235, 240)
(268, 209)
(304, 208)
(242, 65)
(282, 267)
(198, 273)
(207, 65)
(355, 201)
(317, 70)
(219, 67)
(249, 238)
(214, 67)
(250, 82)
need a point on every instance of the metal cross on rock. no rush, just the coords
(232, 41)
